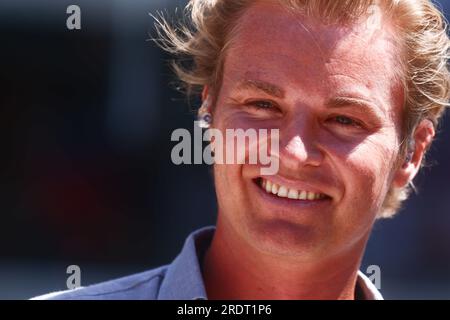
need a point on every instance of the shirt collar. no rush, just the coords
(184, 281)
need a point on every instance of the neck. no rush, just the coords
(233, 269)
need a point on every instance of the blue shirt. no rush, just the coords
(180, 280)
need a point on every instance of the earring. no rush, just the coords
(204, 117)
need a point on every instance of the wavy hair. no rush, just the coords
(203, 34)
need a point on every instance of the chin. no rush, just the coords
(284, 238)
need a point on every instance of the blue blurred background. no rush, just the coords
(86, 176)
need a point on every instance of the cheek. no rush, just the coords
(227, 185)
(367, 171)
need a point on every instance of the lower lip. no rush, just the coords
(287, 203)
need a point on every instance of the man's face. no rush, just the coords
(331, 92)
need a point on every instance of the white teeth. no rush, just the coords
(302, 195)
(274, 188)
(268, 186)
(293, 194)
(283, 192)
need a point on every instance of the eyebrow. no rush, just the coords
(366, 106)
(266, 87)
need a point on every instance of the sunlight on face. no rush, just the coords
(332, 93)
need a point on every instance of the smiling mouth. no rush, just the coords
(289, 193)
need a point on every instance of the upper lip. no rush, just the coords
(297, 184)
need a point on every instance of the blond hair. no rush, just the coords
(207, 27)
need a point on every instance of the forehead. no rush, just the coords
(269, 40)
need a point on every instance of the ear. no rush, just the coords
(205, 93)
(423, 136)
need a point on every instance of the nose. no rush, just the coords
(299, 145)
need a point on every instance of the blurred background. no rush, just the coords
(86, 176)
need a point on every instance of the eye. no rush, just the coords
(261, 104)
(346, 121)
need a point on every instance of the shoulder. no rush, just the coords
(138, 286)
